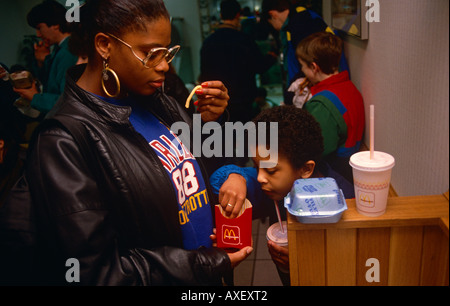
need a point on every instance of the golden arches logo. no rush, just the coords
(231, 234)
(366, 199)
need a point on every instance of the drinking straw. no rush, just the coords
(278, 215)
(372, 130)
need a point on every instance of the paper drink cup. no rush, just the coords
(371, 178)
(275, 234)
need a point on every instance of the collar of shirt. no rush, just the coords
(334, 79)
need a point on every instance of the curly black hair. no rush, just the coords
(299, 134)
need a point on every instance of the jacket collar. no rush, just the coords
(335, 79)
(75, 100)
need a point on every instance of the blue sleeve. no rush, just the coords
(254, 192)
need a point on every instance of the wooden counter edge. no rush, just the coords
(401, 211)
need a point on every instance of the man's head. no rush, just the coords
(319, 52)
(300, 146)
(49, 20)
(229, 9)
(275, 12)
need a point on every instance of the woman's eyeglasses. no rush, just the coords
(155, 55)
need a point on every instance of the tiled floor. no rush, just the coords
(258, 269)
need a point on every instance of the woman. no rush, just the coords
(128, 200)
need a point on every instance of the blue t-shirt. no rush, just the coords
(194, 207)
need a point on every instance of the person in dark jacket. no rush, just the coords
(127, 200)
(233, 57)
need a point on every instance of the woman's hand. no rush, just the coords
(239, 256)
(236, 257)
(232, 194)
(212, 100)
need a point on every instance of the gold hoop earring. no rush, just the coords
(105, 77)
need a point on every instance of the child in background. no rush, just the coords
(300, 147)
(336, 103)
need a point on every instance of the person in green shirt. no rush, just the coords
(336, 103)
(49, 20)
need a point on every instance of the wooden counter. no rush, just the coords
(409, 244)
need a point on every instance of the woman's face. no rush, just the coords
(133, 75)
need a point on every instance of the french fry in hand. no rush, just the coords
(304, 84)
(188, 101)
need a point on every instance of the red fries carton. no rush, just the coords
(237, 232)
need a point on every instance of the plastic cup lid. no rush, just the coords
(380, 162)
(274, 233)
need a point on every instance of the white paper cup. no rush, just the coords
(372, 179)
(274, 234)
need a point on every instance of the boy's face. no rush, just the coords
(276, 182)
(309, 71)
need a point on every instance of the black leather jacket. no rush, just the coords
(113, 208)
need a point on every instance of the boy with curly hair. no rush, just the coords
(300, 147)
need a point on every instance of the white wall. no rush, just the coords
(403, 69)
